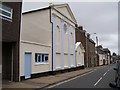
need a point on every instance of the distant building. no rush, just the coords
(79, 54)
(107, 55)
(91, 55)
(104, 55)
(88, 44)
(80, 37)
(101, 55)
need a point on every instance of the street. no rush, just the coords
(99, 78)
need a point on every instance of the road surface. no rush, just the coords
(100, 77)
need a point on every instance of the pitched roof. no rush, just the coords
(79, 44)
(99, 49)
(55, 6)
(35, 10)
(68, 8)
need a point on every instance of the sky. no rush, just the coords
(96, 17)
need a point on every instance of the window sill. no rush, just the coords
(41, 63)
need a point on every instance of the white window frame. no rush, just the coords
(41, 62)
(5, 16)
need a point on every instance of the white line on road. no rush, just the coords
(101, 78)
(98, 81)
(104, 73)
(69, 80)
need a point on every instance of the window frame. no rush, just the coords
(42, 58)
(3, 16)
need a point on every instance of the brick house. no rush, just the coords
(88, 44)
(10, 14)
(91, 57)
(80, 37)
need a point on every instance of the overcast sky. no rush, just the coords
(95, 17)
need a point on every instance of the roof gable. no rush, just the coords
(81, 46)
(65, 10)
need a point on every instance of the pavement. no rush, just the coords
(43, 82)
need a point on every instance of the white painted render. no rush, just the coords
(101, 58)
(36, 36)
(80, 54)
(62, 43)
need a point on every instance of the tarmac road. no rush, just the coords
(99, 78)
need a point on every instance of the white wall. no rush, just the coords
(80, 57)
(36, 37)
(101, 57)
(64, 43)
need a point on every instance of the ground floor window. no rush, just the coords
(41, 58)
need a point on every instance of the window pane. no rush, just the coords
(5, 7)
(42, 57)
(39, 58)
(6, 13)
(46, 57)
(35, 57)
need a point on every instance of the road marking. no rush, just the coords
(101, 78)
(69, 80)
(104, 73)
(98, 81)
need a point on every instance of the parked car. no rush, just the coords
(116, 83)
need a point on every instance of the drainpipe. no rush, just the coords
(52, 36)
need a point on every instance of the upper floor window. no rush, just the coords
(65, 28)
(5, 12)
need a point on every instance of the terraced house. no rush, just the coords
(47, 40)
(10, 15)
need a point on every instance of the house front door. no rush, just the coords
(28, 65)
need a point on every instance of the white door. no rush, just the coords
(28, 65)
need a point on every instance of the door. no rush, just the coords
(7, 61)
(27, 65)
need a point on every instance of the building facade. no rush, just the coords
(80, 37)
(79, 54)
(104, 55)
(47, 40)
(89, 46)
(11, 16)
(107, 55)
(91, 51)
